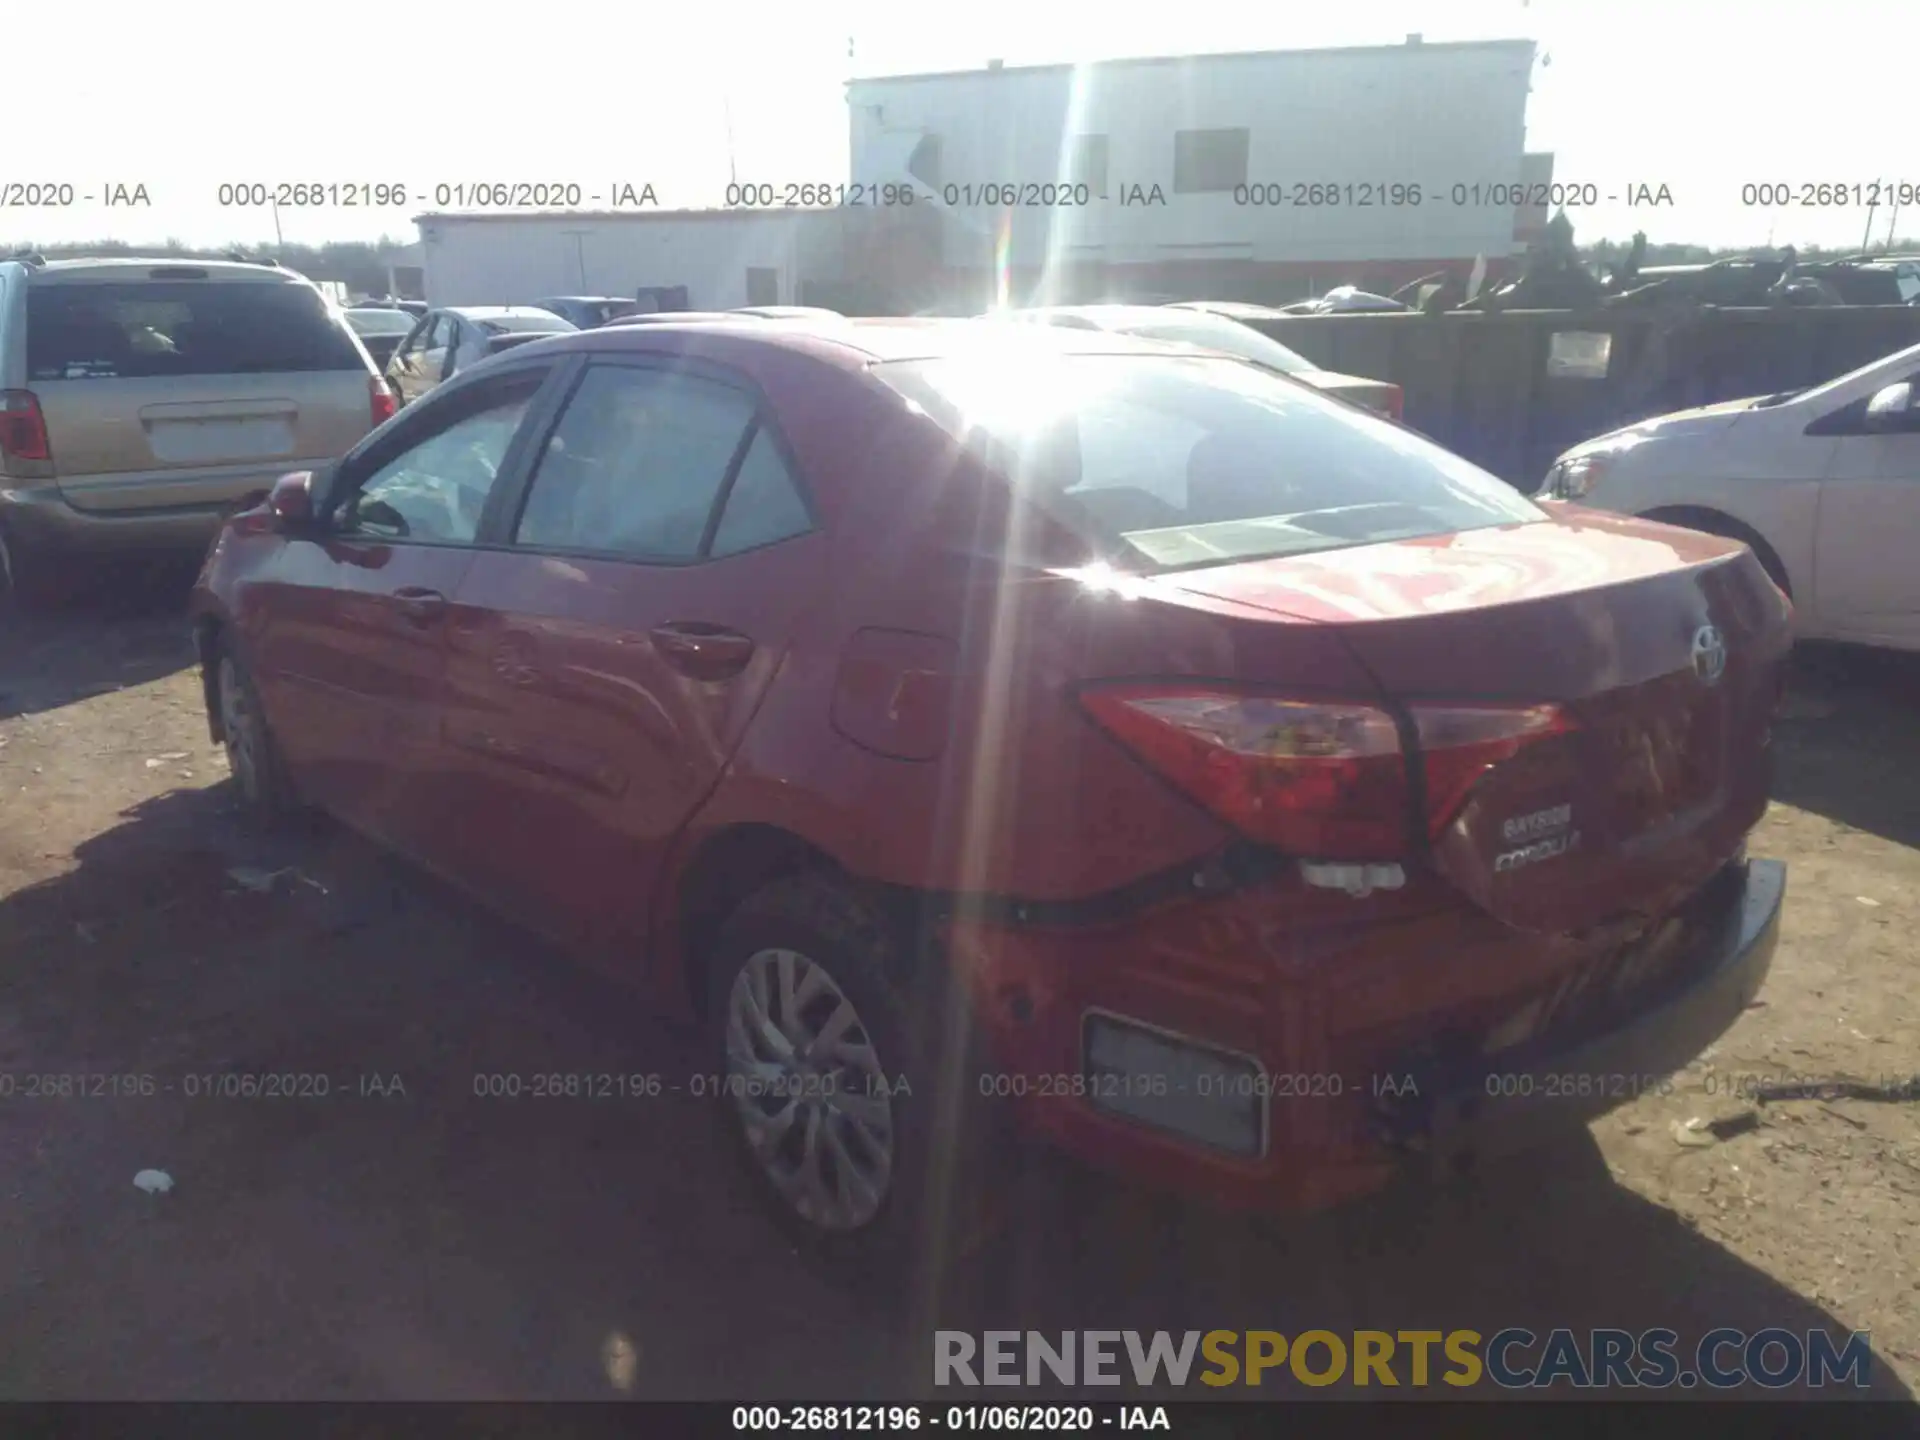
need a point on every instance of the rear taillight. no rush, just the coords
(1459, 744)
(1313, 778)
(384, 405)
(1321, 779)
(1393, 402)
(23, 428)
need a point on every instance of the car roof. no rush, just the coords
(855, 344)
(132, 268)
(493, 312)
(584, 300)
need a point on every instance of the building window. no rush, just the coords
(1087, 163)
(763, 287)
(1207, 161)
(924, 163)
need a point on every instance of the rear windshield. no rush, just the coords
(536, 320)
(1168, 462)
(380, 322)
(605, 310)
(182, 327)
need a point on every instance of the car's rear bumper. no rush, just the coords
(1345, 1023)
(44, 519)
(1525, 1095)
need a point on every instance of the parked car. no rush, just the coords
(1345, 300)
(1187, 326)
(584, 312)
(380, 331)
(1159, 723)
(415, 308)
(445, 342)
(788, 312)
(697, 317)
(141, 399)
(1823, 484)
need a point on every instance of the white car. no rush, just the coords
(1823, 484)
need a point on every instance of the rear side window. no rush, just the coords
(1167, 463)
(635, 464)
(182, 327)
(764, 505)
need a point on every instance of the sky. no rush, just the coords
(1699, 95)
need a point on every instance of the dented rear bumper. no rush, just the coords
(1507, 1102)
(1373, 1033)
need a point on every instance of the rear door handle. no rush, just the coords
(705, 652)
(420, 605)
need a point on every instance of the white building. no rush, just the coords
(724, 258)
(1257, 176)
(1213, 164)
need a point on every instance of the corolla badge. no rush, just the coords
(1539, 836)
(1709, 655)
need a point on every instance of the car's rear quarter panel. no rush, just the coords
(1027, 798)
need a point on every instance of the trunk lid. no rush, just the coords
(1664, 648)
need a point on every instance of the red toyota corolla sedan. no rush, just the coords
(1232, 787)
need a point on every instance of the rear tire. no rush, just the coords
(860, 1154)
(259, 772)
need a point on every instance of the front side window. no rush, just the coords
(635, 464)
(415, 342)
(1166, 462)
(436, 489)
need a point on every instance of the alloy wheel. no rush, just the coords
(805, 1080)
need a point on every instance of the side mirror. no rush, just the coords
(291, 500)
(1893, 409)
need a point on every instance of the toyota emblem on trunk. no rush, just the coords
(1709, 655)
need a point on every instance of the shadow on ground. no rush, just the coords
(1848, 743)
(118, 631)
(379, 1229)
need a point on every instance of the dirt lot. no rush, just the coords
(422, 1243)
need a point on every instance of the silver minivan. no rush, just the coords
(143, 400)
